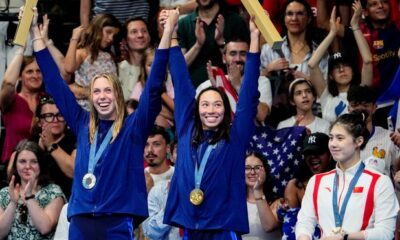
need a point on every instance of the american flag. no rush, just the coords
(282, 148)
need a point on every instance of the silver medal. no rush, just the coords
(88, 181)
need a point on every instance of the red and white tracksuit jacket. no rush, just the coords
(372, 206)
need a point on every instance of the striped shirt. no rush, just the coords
(122, 9)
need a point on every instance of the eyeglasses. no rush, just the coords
(23, 213)
(299, 14)
(255, 168)
(50, 117)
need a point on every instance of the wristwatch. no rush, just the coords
(53, 147)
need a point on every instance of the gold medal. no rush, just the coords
(196, 196)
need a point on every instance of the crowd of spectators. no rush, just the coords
(335, 78)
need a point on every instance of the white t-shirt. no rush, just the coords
(333, 107)
(381, 148)
(128, 76)
(256, 230)
(163, 176)
(318, 125)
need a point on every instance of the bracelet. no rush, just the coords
(355, 29)
(29, 197)
(38, 38)
(74, 39)
(260, 198)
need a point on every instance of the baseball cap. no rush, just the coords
(316, 143)
(337, 58)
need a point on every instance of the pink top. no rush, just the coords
(18, 121)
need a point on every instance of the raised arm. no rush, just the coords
(246, 108)
(73, 59)
(11, 76)
(365, 51)
(323, 20)
(183, 87)
(54, 83)
(194, 51)
(150, 100)
(85, 12)
(55, 53)
(316, 76)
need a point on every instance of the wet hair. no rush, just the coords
(223, 128)
(43, 178)
(94, 34)
(268, 186)
(355, 124)
(158, 130)
(309, 29)
(360, 94)
(120, 106)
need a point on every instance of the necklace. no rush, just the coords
(298, 51)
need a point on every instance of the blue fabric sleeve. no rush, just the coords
(246, 108)
(150, 100)
(58, 89)
(184, 90)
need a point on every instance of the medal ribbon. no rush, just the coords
(199, 171)
(95, 156)
(339, 216)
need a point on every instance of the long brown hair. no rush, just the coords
(120, 106)
(93, 35)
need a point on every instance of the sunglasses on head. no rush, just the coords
(44, 99)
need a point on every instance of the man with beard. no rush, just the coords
(155, 153)
(137, 41)
(203, 33)
(234, 57)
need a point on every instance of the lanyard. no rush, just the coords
(339, 216)
(199, 171)
(95, 156)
